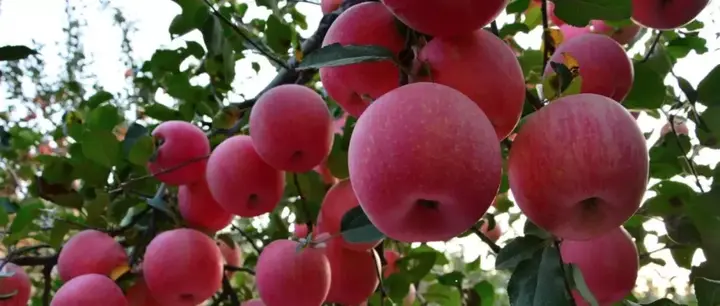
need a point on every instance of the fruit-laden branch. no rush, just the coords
(494, 247)
(314, 42)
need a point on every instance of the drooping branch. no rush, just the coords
(493, 246)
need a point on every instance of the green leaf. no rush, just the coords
(683, 256)
(523, 281)
(141, 151)
(453, 279)
(339, 55)
(681, 46)
(4, 218)
(707, 291)
(666, 156)
(98, 98)
(648, 90)
(708, 91)
(580, 12)
(101, 147)
(486, 292)
(581, 286)
(355, 227)
(517, 6)
(532, 229)
(416, 265)
(397, 286)
(539, 281)
(14, 53)
(57, 234)
(337, 161)
(531, 62)
(672, 197)
(687, 89)
(26, 215)
(517, 251)
(56, 169)
(706, 216)
(96, 208)
(162, 112)
(513, 28)
(278, 34)
(681, 229)
(105, 117)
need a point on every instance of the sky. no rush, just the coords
(23, 21)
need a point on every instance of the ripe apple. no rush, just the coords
(666, 14)
(183, 145)
(484, 68)
(89, 290)
(232, 255)
(446, 18)
(569, 32)
(139, 295)
(291, 128)
(288, 275)
(328, 6)
(680, 128)
(424, 162)
(242, 182)
(603, 64)
(493, 234)
(579, 166)
(325, 173)
(609, 264)
(622, 35)
(354, 86)
(182, 267)
(90, 252)
(253, 302)
(354, 274)
(550, 11)
(199, 209)
(338, 200)
(17, 284)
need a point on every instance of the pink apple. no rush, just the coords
(89, 290)
(180, 157)
(666, 14)
(90, 252)
(17, 284)
(446, 18)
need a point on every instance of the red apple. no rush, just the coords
(327, 6)
(579, 166)
(446, 18)
(666, 14)
(289, 275)
(291, 128)
(232, 255)
(424, 162)
(680, 128)
(354, 274)
(622, 35)
(18, 284)
(180, 155)
(609, 265)
(139, 295)
(89, 290)
(338, 201)
(242, 182)
(493, 234)
(90, 252)
(354, 86)
(603, 65)
(484, 68)
(199, 209)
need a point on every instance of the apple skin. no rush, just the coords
(622, 35)
(566, 161)
(288, 276)
(182, 144)
(354, 274)
(139, 295)
(493, 234)
(90, 252)
(407, 190)
(19, 281)
(569, 32)
(339, 199)
(444, 18)
(603, 64)
(89, 290)
(368, 23)
(291, 128)
(166, 267)
(253, 302)
(232, 255)
(609, 264)
(484, 68)
(199, 209)
(328, 6)
(242, 182)
(666, 15)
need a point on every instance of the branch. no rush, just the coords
(494, 29)
(47, 283)
(495, 248)
(167, 170)
(547, 40)
(303, 204)
(135, 219)
(247, 237)
(229, 291)
(35, 261)
(651, 50)
(564, 276)
(690, 162)
(239, 269)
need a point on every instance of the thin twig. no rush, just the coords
(690, 162)
(229, 291)
(239, 269)
(379, 249)
(547, 40)
(493, 246)
(164, 171)
(303, 204)
(242, 34)
(564, 276)
(651, 50)
(247, 237)
(47, 283)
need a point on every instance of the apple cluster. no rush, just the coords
(425, 163)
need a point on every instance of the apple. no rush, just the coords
(484, 68)
(424, 162)
(338, 200)
(680, 128)
(444, 18)
(242, 182)
(328, 6)
(90, 252)
(325, 173)
(287, 274)
(253, 302)
(623, 35)
(301, 230)
(139, 295)
(578, 167)
(18, 285)
(291, 128)
(609, 265)
(603, 65)
(199, 209)
(493, 234)
(354, 86)
(569, 32)
(182, 267)
(354, 274)
(666, 14)
(179, 158)
(232, 255)
(89, 290)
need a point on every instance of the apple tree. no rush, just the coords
(395, 132)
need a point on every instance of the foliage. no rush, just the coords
(77, 160)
